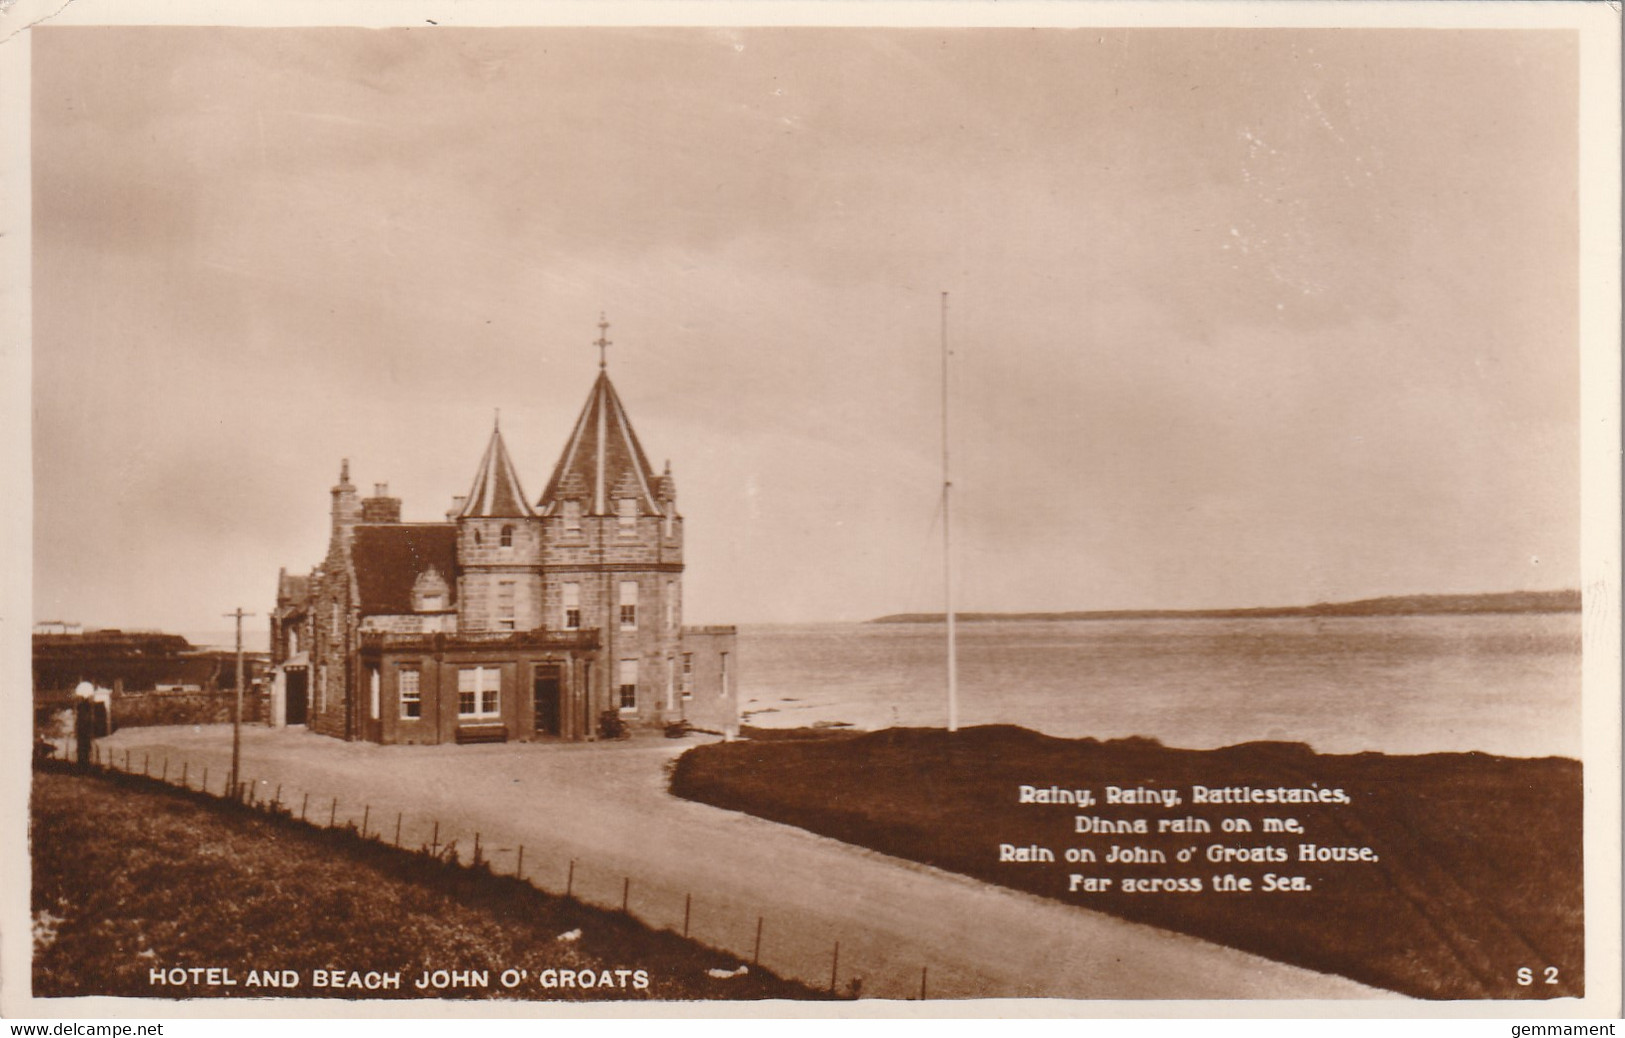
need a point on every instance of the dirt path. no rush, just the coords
(605, 808)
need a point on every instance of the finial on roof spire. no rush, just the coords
(603, 342)
(344, 471)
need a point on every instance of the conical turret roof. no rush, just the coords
(496, 493)
(602, 461)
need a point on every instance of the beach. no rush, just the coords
(1507, 684)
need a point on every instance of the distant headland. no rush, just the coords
(1566, 601)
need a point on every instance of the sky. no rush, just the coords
(1236, 317)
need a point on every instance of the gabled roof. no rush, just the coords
(389, 557)
(292, 590)
(603, 456)
(496, 493)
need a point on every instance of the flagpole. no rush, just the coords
(947, 538)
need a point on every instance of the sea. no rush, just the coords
(1506, 683)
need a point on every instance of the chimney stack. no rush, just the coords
(346, 506)
(380, 507)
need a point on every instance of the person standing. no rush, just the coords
(84, 723)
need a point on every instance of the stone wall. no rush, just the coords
(148, 709)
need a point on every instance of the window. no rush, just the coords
(411, 693)
(572, 517)
(477, 540)
(505, 613)
(507, 536)
(688, 674)
(432, 603)
(374, 689)
(572, 607)
(626, 514)
(629, 605)
(479, 692)
(629, 684)
(671, 603)
(722, 686)
(666, 521)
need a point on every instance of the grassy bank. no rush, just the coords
(1474, 869)
(130, 876)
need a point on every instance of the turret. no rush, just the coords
(499, 548)
(613, 552)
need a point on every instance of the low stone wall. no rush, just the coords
(147, 709)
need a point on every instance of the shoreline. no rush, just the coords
(1494, 604)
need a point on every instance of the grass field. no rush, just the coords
(130, 876)
(1477, 872)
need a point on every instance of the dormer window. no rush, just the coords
(572, 517)
(507, 536)
(430, 592)
(626, 514)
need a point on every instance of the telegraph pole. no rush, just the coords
(237, 709)
(947, 539)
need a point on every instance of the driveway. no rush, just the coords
(604, 808)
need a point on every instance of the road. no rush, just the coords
(597, 818)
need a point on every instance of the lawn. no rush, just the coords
(131, 877)
(1472, 886)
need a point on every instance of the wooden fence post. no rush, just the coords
(519, 870)
(205, 785)
(185, 783)
(834, 965)
(304, 804)
(165, 776)
(570, 879)
(366, 816)
(922, 982)
(333, 815)
(397, 828)
(756, 955)
(434, 843)
(688, 903)
(626, 893)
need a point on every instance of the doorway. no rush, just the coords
(545, 693)
(298, 696)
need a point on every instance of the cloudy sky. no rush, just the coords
(1237, 317)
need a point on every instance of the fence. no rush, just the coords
(716, 922)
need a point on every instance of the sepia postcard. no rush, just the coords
(854, 510)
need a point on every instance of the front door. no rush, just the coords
(545, 696)
(297, 695)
